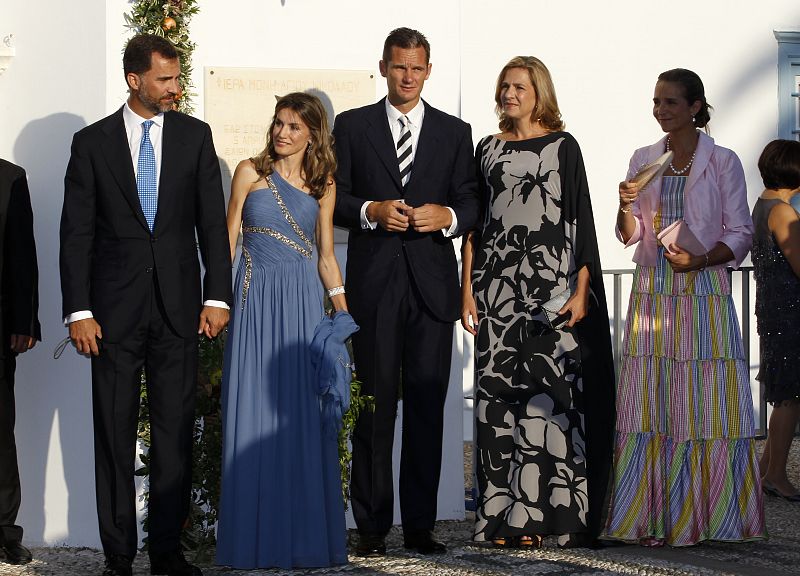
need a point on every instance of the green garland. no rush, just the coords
(358, 403)
(170, 19)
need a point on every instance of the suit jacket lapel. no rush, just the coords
(118, 157)
(426, 145)
(171, 145)
(381, 139)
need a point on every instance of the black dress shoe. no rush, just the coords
(578, 540)
(118, 565)
(16, 553)
(423, 543)
(370, 546)
(600, 543)
(172, 564)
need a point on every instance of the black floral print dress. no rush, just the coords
(531, 443)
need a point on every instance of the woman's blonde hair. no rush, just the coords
(546, 111)
(319, 162)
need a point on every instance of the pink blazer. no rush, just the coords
(715, 202)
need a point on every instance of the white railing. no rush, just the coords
(744, 297)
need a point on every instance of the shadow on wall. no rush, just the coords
(340, 234)
(227, 176)
(54, 410)
(327, 104)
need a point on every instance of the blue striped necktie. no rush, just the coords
(146, 181)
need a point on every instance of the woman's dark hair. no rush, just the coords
(319, 163)
(779, 165)
(405, 38)
(693, 91)
(139, 51)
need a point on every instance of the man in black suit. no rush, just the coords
(142, 190)
(405, 186)
(19, 327)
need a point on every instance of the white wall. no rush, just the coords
(55, 85)
(604, 59)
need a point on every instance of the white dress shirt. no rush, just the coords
(415, 117)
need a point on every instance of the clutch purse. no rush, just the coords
(552, 306)
(649, 171)
(680, 234)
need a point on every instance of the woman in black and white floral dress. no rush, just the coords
(545, 393)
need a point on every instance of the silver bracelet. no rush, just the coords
(335, 290)
(706, 264)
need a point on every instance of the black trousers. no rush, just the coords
(170, 363)
(400, 349)
(10, 495)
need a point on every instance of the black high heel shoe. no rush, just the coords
(770, 490)
(530, 542)
(504, 542)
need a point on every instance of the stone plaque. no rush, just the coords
(240, 102)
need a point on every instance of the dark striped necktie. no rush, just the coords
(404, 150)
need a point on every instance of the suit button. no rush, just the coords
(153, 239)
(149, 269)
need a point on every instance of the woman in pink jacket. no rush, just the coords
(685, 464)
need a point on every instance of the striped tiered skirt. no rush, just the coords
(685, 468)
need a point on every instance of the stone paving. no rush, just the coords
(778, 555)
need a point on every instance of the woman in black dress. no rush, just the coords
(776, 260)
(543, 457)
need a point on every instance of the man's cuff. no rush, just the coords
(217, 304)
(365, 223)
(79, 315)
(448, 232)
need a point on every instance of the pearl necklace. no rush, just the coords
(685, 168)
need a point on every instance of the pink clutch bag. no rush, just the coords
(678, 233)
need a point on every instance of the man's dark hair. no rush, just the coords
(139, 51)
(405, 38)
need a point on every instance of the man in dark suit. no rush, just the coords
(405, 186)
(142, 190)
(19, 327)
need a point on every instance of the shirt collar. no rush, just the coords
(133, 119)
(414, 115)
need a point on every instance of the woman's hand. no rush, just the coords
(683, 261)
(578, 303)
(626, 223)
(469, 312)
(578, 306)
(628, 193)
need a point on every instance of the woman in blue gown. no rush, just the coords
(281, 503)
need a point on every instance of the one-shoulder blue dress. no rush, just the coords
(281, 503)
